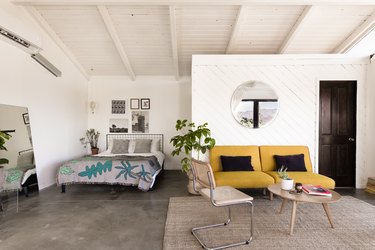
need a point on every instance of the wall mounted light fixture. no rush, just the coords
(92, 107)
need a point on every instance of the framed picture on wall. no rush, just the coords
(145, 103)
(140, 122)
(134, 103)
(118, 125)
(26, 119)
(118, 107)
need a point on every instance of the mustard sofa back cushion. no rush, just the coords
(217, 151)
(268, 160)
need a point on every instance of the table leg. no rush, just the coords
(328, 213)
(292, 220)
(271, 196)
(282, 205)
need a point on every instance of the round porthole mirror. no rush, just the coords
(254, 104)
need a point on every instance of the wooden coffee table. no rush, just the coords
(300, 198)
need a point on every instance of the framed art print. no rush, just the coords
(145, 103)
(118, 107)
(26, 119)
(134, 103)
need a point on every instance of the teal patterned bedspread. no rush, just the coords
(118, 170)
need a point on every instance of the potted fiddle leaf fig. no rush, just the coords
(4, 136)
(286, 182)
(192, 139)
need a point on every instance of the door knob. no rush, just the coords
(351, 139)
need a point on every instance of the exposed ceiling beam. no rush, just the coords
(357, 35)
(194, 2)
(116, 40)
(172, 21)
(296, 28)
(42, 22)
(239, 20)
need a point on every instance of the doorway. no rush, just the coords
(337, 131)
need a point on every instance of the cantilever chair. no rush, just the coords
(222, 196)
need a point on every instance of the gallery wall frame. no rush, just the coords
(118, 106)
(26, 118)
(134, 103)
(145, 103)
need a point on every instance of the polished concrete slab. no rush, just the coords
(99, 216)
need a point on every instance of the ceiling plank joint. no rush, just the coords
(296, 29)
(172, 20)
(116, 39)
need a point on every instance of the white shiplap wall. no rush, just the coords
(295, 80)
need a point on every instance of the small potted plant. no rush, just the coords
(286, 182)
(195, 139)
(92, 137)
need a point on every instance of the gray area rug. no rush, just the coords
(354, 222)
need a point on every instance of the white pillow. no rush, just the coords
(155, 145)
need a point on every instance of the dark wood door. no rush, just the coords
(337, 131)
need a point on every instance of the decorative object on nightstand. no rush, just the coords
(286, 182)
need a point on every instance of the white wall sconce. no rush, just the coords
(92, 107)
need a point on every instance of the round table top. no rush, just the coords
(303, 197)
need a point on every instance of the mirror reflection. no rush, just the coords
(254, 104)
(17, 165)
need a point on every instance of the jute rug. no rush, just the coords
(354, 222)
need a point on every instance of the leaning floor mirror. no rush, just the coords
(254, 104)
(17, 165)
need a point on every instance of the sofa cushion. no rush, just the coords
(217, 151)
(243, 179)
(306, 178)
(268, 160)
(236, 163)
(291, 162)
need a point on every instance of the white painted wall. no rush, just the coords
(57, 106)
(170, 101)
(370, 121)
(295, 79)
(11, 119)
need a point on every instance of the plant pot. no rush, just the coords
(94, 151)
(287, 184)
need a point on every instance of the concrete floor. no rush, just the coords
(99, 216)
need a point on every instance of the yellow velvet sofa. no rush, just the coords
(264, 164)
(268, 163)
(239, 179)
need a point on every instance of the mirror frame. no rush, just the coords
(251, 85)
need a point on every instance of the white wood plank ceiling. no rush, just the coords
(124, 37)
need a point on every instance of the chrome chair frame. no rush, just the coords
(212, 199)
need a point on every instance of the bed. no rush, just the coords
(22, 176)
(129, 160)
